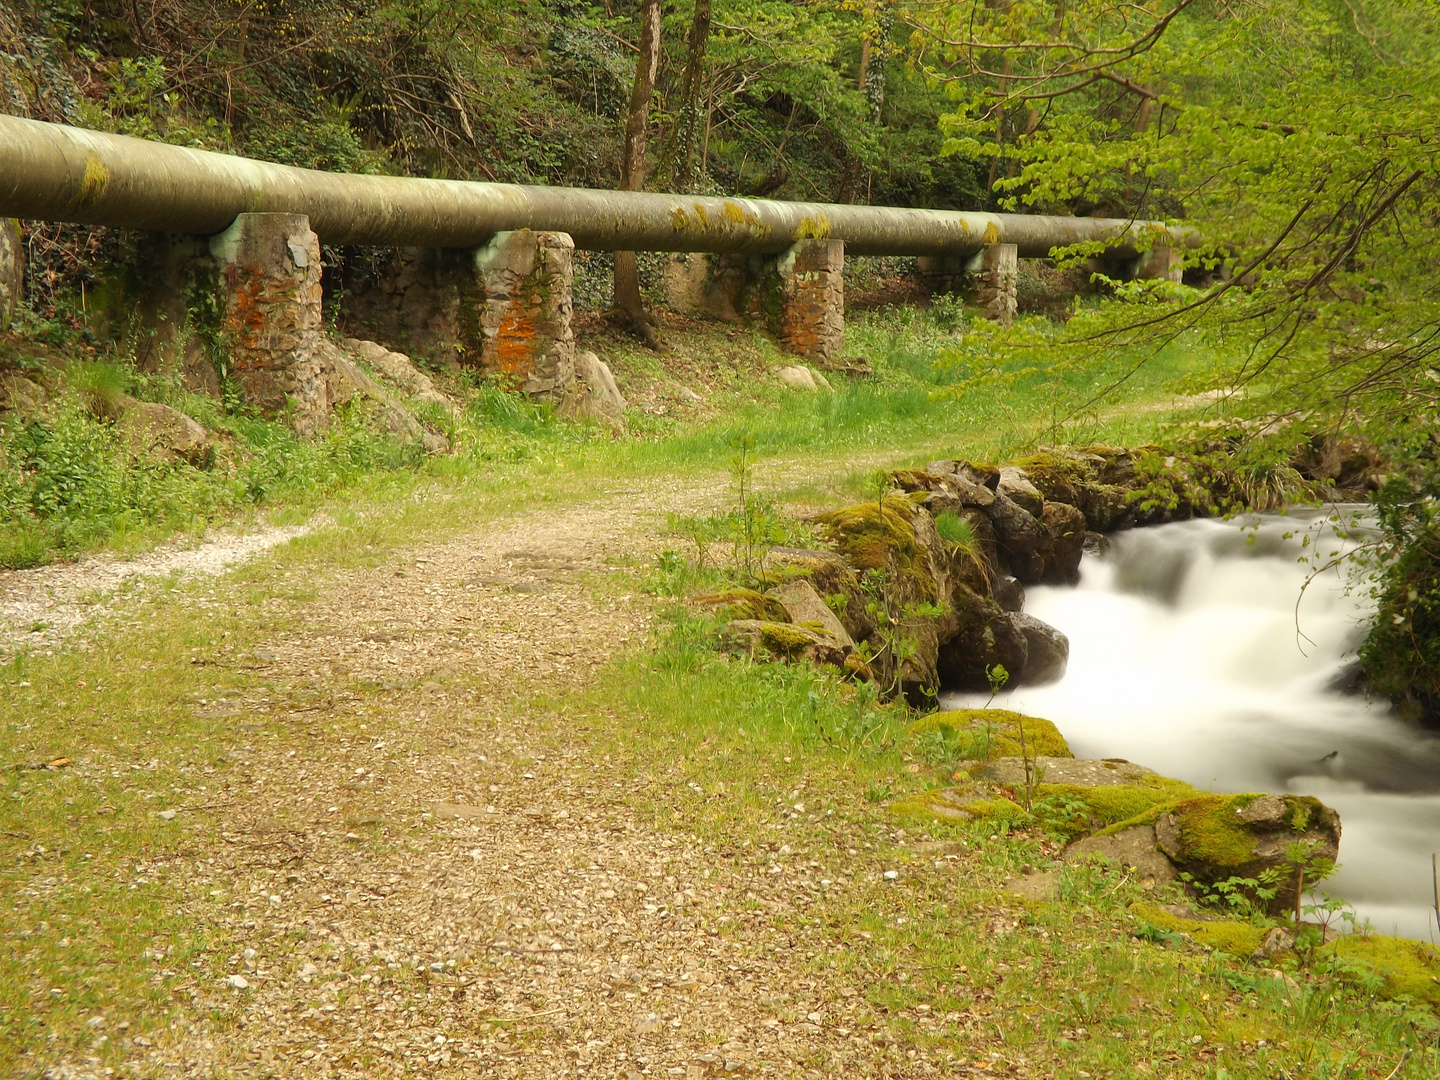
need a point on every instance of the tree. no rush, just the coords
(632, 166)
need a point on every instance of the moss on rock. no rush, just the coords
(1111, 804)
(1409, 968)
(1224, 935)
(986, 734)
(742, 604)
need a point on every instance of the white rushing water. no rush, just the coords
(1188, 655)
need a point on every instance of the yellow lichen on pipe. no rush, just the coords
(57, 173)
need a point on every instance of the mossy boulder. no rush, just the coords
(1409, 968)
(785, 641)
(985, 636)
(987, 734)
(1218, 837)
(742, 604)
(833, 578)
(1224, 935)
(899, 556)
(1065, 528)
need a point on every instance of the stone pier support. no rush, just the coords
(996, 273)
(524, 310)
(808, 313)
(1162, 263)
(270, 285)
(987, 279)
(12, 270)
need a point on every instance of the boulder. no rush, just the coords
(594, 395)
(1218, 837)
(12, 270)
(1008, 592)
(1015, 485)
(1021, 538)
(346, 380)
(1072, 771)
(798, 377)
(1065, 529)
(896, 546)
(986, 636)
(742, 604)
(993, 735)
(1047, 651)
(401, 370)
(1133, 848)
(805, 608)
(160, 432)
(786, 641)
(832, 577)
(22, 395)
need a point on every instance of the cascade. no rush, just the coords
(1194, 652)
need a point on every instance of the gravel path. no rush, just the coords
(449, 882)
(40, 608)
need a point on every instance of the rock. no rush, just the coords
(1133, 848)
(238, 982)
(742, 604)
(832, 577)
(346, 380)
(1047, 654)
(1065, 531)
(986, 636)
(158, 431)
(764, 640)
(1278, 941)
(1021, 539)
(1040, 885)
(22, 395)
(1015, 485)
(805, 608)
(821, 381)
(1078, 772)
(12, 270)
(593, 394)
(897, 544)
(1008, 592)
(1217, 837)
(684, 393)
(994, 734)
(797, 377)
(401, 370)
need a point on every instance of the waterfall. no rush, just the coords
(1193, 652)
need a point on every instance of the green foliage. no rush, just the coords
(1401, 655)
(955, 530)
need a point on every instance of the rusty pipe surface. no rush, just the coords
(53, 172)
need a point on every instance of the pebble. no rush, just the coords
(239, 982)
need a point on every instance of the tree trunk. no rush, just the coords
(632, 167)
(692, 87)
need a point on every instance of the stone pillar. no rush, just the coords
(525, 309)
(270, 285)
(809, 313)
(995, 271)
(1161, 262)
(12, 270)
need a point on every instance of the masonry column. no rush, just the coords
(1161, 262)
(995, 271)
(270, 285)
(810, 300)
(12, 270)
(524, 316)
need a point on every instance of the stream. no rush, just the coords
(1189, 655)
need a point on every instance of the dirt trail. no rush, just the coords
(40, 608)
(445, 884)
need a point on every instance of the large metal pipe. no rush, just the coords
(57, 173)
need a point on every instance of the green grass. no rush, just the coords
(89, 912)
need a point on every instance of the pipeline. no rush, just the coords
(53, 172)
